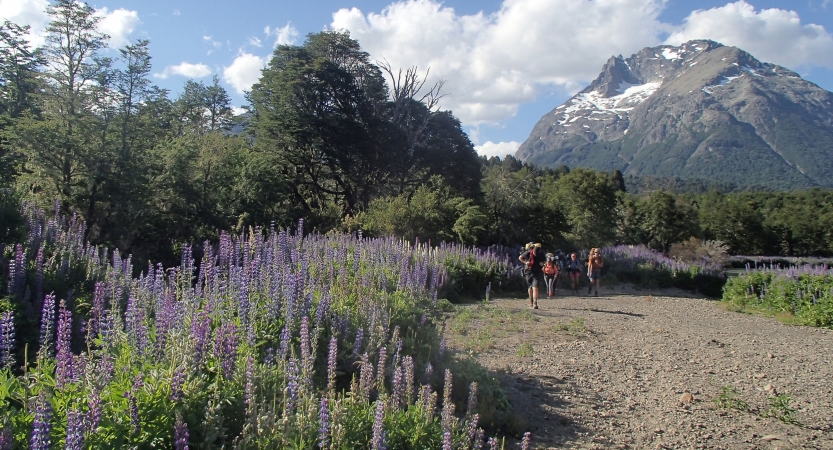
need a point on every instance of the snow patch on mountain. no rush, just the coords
(669, 53)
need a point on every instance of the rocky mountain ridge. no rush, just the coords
(698, 110)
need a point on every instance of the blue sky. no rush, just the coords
(505, 63)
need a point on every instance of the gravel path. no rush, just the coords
(622, 379)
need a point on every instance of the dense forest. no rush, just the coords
(332, 137)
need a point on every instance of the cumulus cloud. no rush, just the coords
(186, 70)
(494, 62)
(244, 71)
(771, 35)
(27, 12)
(118, 24)
(499, 149)
(285, 35)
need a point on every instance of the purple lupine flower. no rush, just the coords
(6, 339)
(200, 331)
(357, 344)
(397, 389)
(39, 273)
(442, 348)
(378, 426)
(6, 438)
(75, 431)
(423, 319)
(323, 423)
(408, 367)
(331, 363)
(177, 381)
(97, 315)
(47, 324)
(471, 406)
(525, 441)
(448, 405)
(471, 429)
(428, 400)
(64, 369)
(284, 349)
(305, 343)
(94, 411)
(42, 425)
(429, 372)
(293, 385)
(492, 443)
(366, 377)
(134, 404)
(250, 387)
(478, 439)
(447, 441)
(380, 369)
(180, 434)
(225, 348)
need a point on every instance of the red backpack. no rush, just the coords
(550, 268)
(531, 261)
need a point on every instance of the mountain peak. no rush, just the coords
(700, 109)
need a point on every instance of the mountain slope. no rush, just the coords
(700, 110)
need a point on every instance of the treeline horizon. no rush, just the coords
(332, 137)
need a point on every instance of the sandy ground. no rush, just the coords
(616, 371)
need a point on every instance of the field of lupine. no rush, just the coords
(804, 293)
(274, 340)
(647, 268)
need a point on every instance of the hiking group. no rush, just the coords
(543, 270)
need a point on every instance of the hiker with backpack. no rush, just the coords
(594, 269)
(551, 269)
(533, 258)
(574, 266)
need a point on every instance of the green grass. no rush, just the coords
(575, 326)
(525, 350)
(729, 399)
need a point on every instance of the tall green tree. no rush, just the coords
(318, 106)
(18, 87)
(588, 202)
(60, 149)
(666, 220)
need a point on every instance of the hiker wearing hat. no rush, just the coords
(533, 259)
(594, 269)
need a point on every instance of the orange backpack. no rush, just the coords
(550, 268)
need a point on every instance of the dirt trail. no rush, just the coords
(616, 380)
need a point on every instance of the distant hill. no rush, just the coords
(701, 110)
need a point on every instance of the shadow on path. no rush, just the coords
(623, 313)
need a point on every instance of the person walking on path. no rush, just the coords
(551, 271)
(533, 271)
(574, 270)
(594, 269)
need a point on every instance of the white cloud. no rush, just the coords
(499, 149)
(244, 71)
(285, 35)
(255, 42)
(238, 110)
(186, 70)
(118, 24)
(493, 63)
(771, 35)
(177, 13)
(27, 12)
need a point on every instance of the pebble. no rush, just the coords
(686, 398)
